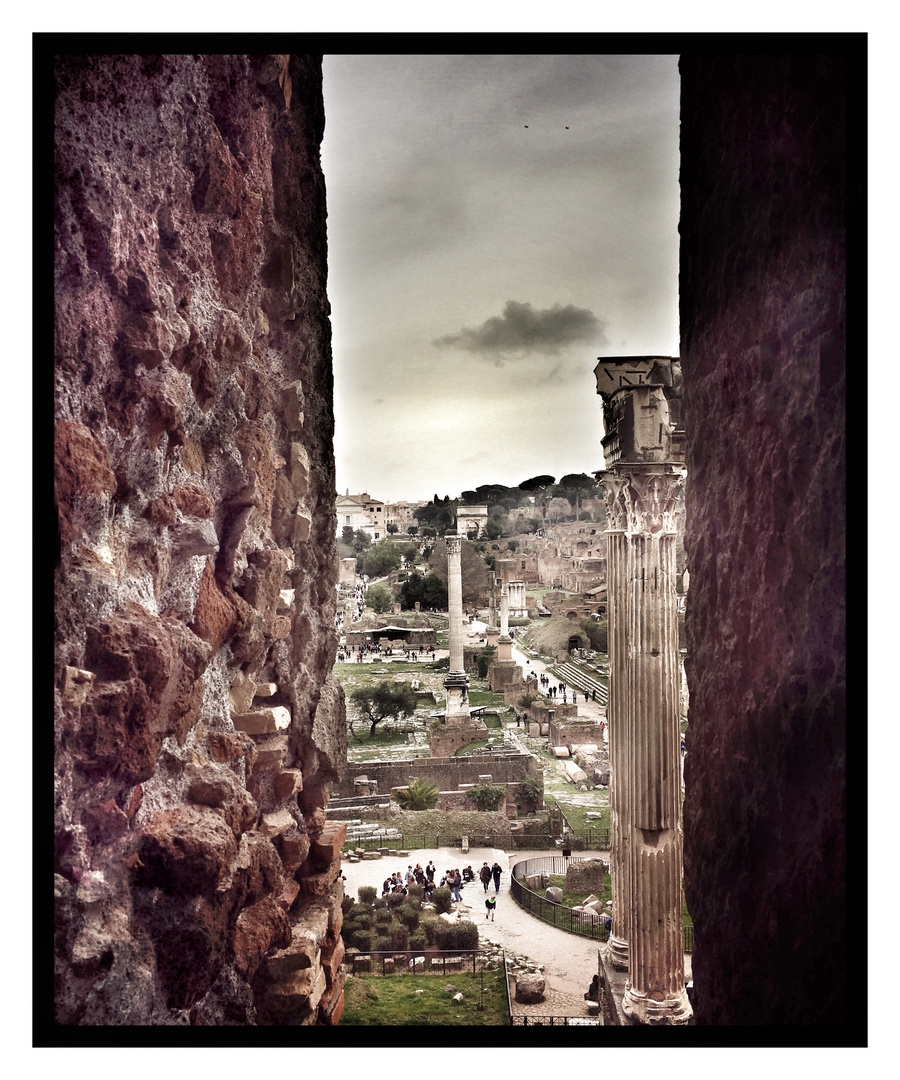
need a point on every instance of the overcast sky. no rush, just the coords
(495, 223)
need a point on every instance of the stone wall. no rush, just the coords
(762, 284)
(197, 726)
(580, 733)
(446, 772)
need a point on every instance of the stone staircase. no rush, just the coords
(574, 676)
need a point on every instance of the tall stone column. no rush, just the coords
(643, 447)
(655, 992)
(617, 718)
(504, 642)
(457, 682)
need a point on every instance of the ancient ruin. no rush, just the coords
(197, 725)
(643, 447)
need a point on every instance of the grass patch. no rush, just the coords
(577, 899)
(363, 738)
(486, 697)
(471, 748)
(392, 1001)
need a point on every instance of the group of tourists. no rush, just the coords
(455, 880)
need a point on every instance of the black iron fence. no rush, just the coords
(588, 840)
(584, 924)
(410, 962)
(524, 1020)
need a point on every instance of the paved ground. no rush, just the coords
(570, 961)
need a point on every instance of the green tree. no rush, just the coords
(493, 530)
(409, 553)
(597, 633)
(361, 540)
(379, 599)
(386, 699)
(412, 592)
(411, 530)
(486, 796)
(419, 795)
(347, 535)
(485, 659)
(436, 592)
(392, 528)
(380, 560)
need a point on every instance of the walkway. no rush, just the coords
(570, 961)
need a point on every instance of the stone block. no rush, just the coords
(288, 782)
(276, 823)
(545, 729)
(554, 894)
(268, 721)
(362, 964)
(530, 989)
(561, 751)
(270, 753)
(266, 689)
(370, 856)
(534, 730)
(331, 839)
(77, 686)
(242, 692)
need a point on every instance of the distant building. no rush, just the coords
(361, 512)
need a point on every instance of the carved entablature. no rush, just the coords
(641, 409)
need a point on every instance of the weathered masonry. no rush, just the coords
(643, 446)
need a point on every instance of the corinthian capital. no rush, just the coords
(614, 498)
(651, 499)
(453, 545)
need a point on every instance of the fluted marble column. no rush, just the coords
(504, 642)
(655, 992)
(457, 682)
(617, 718)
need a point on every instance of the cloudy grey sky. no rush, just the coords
(495, 223)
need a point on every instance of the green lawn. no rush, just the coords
(392, 1001)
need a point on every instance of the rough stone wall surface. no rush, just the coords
(762, 323)
(196, 726)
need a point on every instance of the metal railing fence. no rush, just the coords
(558, 915)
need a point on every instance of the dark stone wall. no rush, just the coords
(447, 772)
(763, 354)
(194, 483)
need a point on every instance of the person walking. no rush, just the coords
(496, 871)
(485, 875)
(456, 885)
(491, 905)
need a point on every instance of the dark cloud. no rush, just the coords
(521, 330)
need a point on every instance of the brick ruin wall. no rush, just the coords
(763, 355)
(197, 725)
(447, 772)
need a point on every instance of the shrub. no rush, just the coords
(382, 916)
(400, 937)
(416, 892)
(461, 935)
(429, 927)
(362, 940)
(419, 795)
(395, 899)
(408, 915)
(359, 909)
(367, 894)
(383, 943)
(466, 936)
(418, 941)
(346, 904)
(442, 899)
(486, 796)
